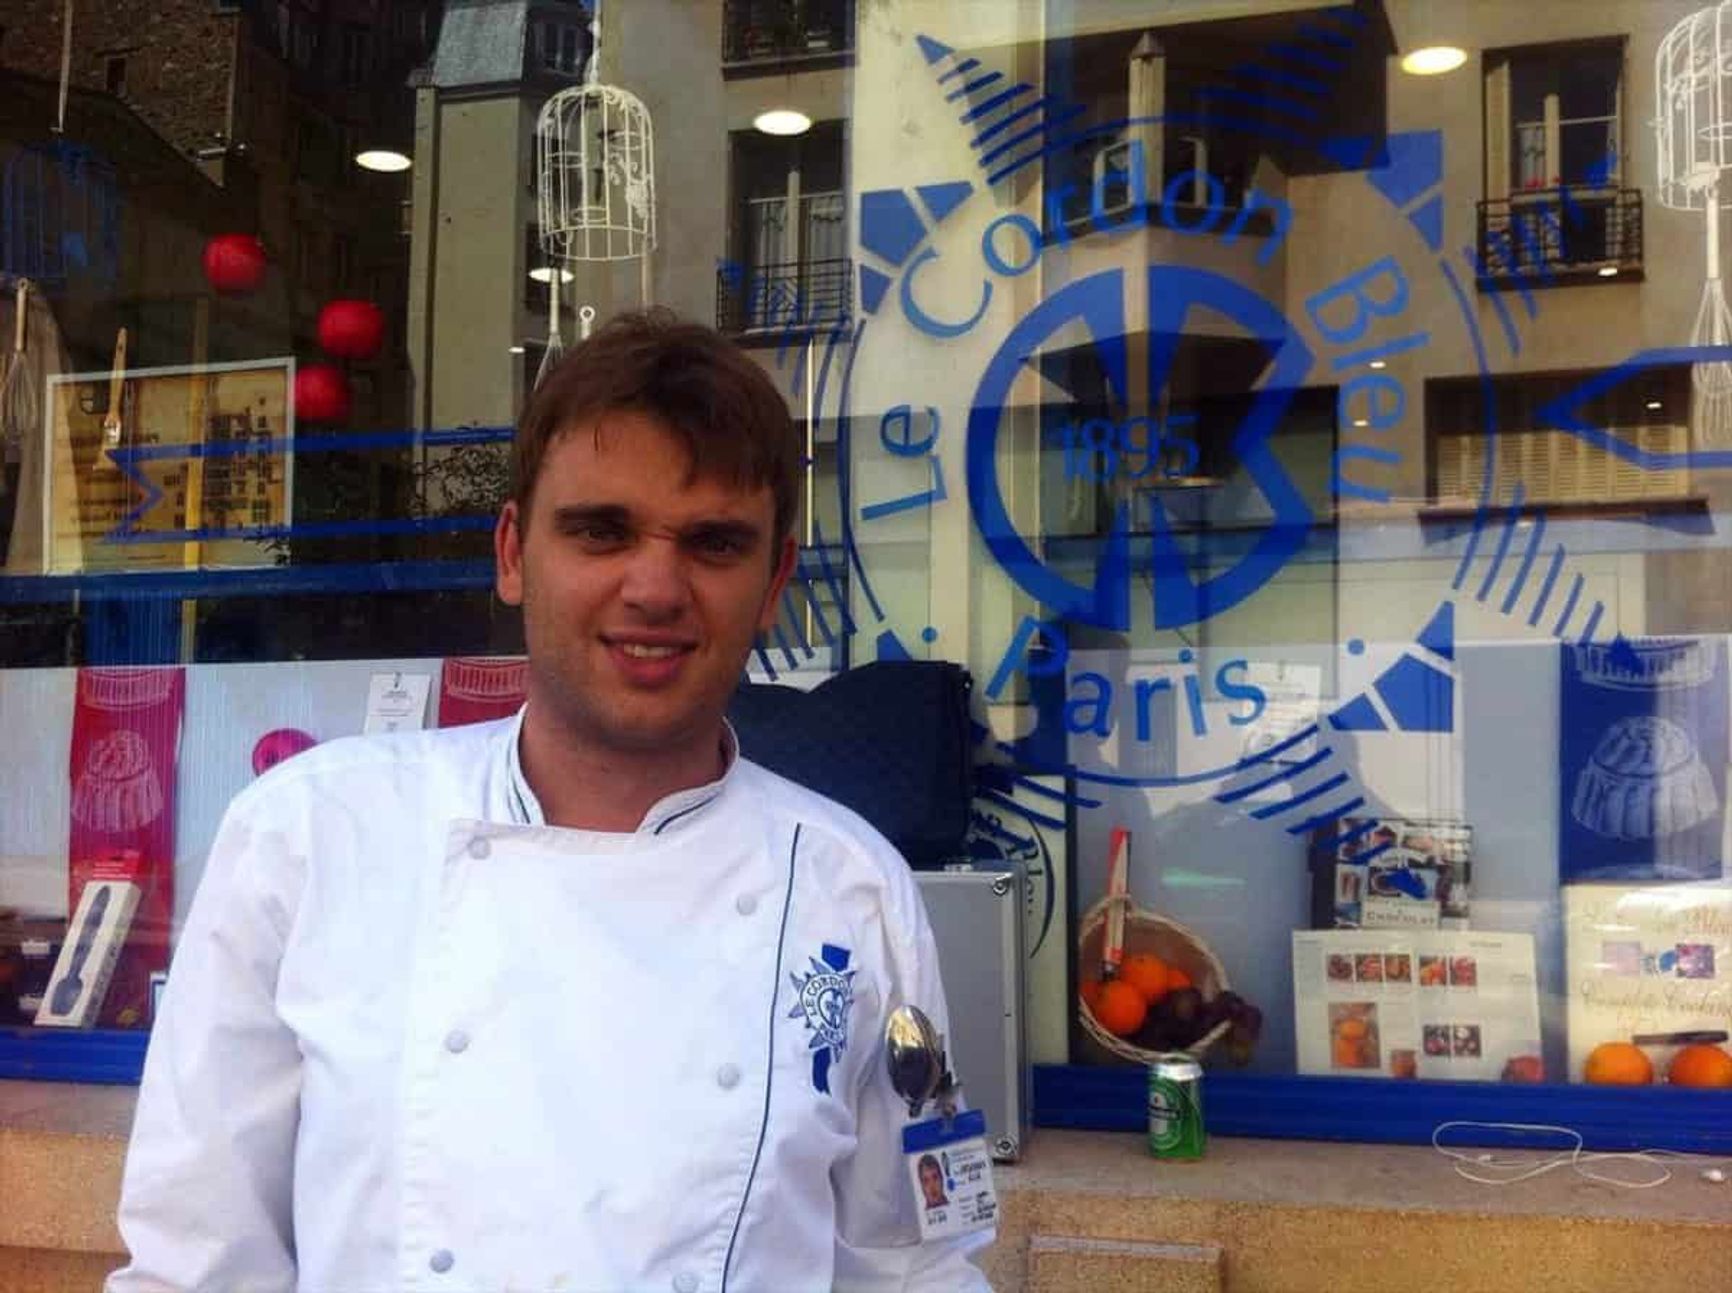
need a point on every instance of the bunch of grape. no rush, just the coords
(1182, 1018)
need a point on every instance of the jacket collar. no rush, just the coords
(668, 814)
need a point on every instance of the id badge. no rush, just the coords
(950, 1171)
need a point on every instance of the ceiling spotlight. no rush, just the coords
(782, 121)
(1379, 363)
(544, 274)
(516, 350)
(1608, 271)
(1654, 406)
(1361, 422)
(382, 159)
(1433, 60)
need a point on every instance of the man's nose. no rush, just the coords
(657, 581)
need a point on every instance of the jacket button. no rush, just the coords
(457, 1041)
(745, 904)
(441, 1261)
(479, 847)
(685, 1282)
(728, 1077)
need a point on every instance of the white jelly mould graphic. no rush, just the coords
(1645, 781)
(118, 789)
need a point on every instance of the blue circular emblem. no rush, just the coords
(825, 999)
(1175, 294)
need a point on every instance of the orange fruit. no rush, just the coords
(1177, 979)
(1618, 1064)
(1090, 992)
(1120, 1008)
(1149, 975)
(1701, 1065)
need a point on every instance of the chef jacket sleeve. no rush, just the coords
(206, 1195)
(878, 1244)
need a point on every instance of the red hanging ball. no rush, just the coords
(351, 329)
(321, 393)
(273, 747)
(235, 262)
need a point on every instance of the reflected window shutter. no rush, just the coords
(1615, 145)
(1460, 462)
(1628, 479)
(1497, 130)
(1569, 458)
(1665, 439)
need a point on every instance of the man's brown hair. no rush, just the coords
(709, 394)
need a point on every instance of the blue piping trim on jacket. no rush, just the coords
(684, 812)
(770, 1070)
(514, 780)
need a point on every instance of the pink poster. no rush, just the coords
(125, 750)
(474, 689)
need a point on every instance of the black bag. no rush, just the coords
(892, 740)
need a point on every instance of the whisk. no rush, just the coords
(1712, 407)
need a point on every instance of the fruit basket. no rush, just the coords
(1146, 932)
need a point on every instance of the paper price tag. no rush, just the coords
(397, 702)
(950, 1171)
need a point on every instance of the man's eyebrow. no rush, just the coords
(591, 513)
(739, 531)
(579, 514)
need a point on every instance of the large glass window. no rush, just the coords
(1319, 465)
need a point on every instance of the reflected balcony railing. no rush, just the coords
(781, 31)
(1560, 235)
(796, 297)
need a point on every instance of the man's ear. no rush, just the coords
(784, 570)
(508, 555)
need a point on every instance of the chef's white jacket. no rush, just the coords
(415, 1039)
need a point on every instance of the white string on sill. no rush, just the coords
(1488, 1169)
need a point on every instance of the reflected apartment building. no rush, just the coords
(1457, 253)
(747, 222)
(1507, 206)
(1503, 214)
(174, 124)
(741, 214)
(251, 114)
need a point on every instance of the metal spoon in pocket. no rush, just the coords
(914, 1054)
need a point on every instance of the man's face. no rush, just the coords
(642, 594)
(932, 1181)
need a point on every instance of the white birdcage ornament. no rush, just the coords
(1693, 128)
(595, 185)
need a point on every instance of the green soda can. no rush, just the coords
(1176, 1107)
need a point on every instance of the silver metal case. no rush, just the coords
(977, 920)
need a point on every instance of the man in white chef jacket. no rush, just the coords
(577, 1000)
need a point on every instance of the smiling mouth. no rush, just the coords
(644, 651)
